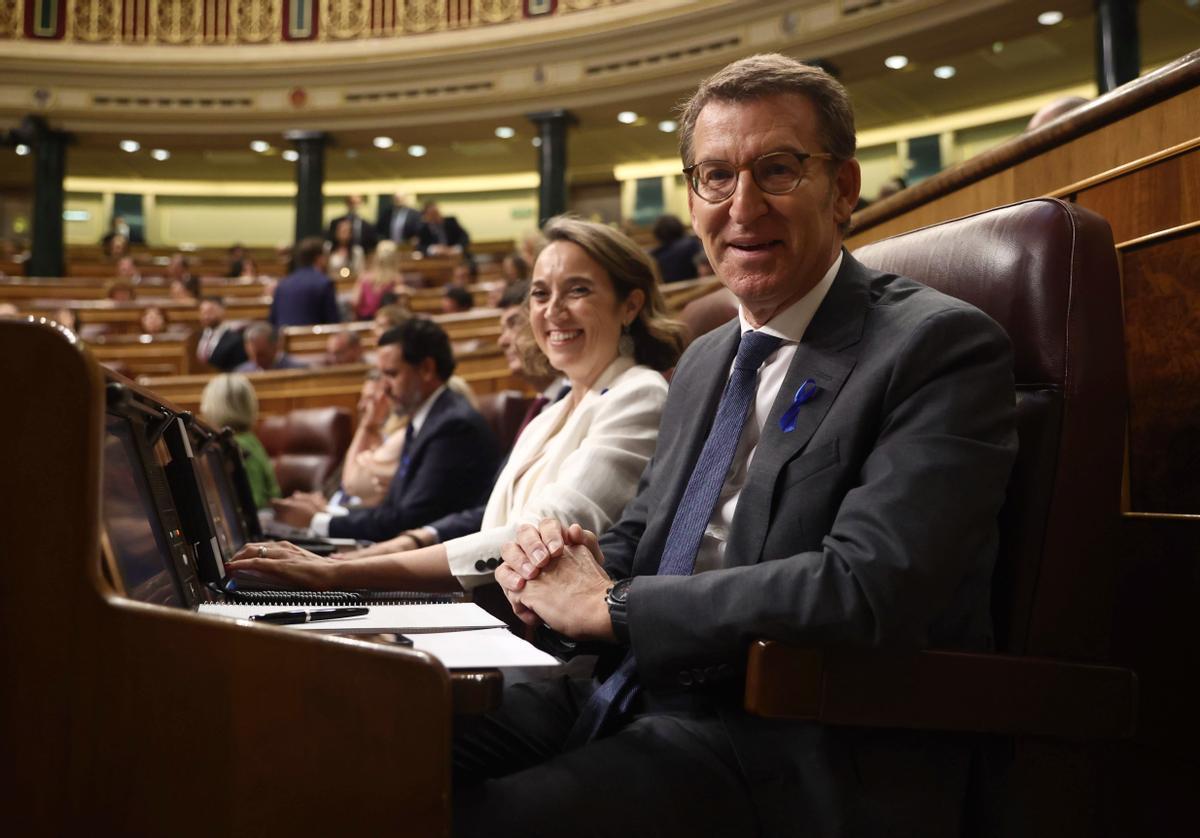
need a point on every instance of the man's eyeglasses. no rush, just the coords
(777, 173)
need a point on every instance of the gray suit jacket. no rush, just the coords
(871, 524)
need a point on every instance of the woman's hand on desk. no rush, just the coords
(286, 562)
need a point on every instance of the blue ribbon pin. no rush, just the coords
(808, 389)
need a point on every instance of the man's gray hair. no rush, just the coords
(760, 76)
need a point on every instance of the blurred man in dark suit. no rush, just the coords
(362, 232)
(306, 296)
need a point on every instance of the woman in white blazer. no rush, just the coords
(596, 312)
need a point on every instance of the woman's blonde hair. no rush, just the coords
(229, 400)
(386, 265)
(657, 339)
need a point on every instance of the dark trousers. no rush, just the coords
(669, 771)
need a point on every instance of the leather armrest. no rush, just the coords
(951, 691)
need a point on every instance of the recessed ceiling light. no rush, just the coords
(998, 47)
(667, 126)
(505, 133)
(944, 72)
(351, 153)
(627, 117)
(22, 149)
(160, 154)
(417, 150)
(129, 145)
(290, 155)
(383, 142)
(896, 62)
(1050, 18)
(261, 146)
(536, 142)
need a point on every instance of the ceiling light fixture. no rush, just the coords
(129, 145)
(22, 149)
(536, 142)
(627, 117)
(505, 133)
(418, 150)
(668, 125)
(945, 72)
(1050, 18)
(290, 155)
(383, 142)
(261, 146)
(160, 154)
(896, 62)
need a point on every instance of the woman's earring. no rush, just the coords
(625, 345)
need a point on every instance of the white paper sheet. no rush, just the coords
(485, 649)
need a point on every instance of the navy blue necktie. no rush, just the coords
(615, 695)
(406, 450)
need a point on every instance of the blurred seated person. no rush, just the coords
(229, 401)
(703, 266)
(66, 316)
(9, 311)
(346, 259)
(514, 267)
(531, 246)
(127, 270)
(184, 285)
(343, 348)
(119, 290)
(220, 344)
(263, 351)
(381, 276)
(597, 313)
(1061, 106)
(153, 321)
(448, 457)
(465, 273)
(676, 251)
(306, 296)
(390, 316)
(456, 299)
(441, 235)
(237, 257)
(115, 246)
(249, 268)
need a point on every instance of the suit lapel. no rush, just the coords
(827, 354)
(674, 462)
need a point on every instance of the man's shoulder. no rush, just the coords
(902, 302)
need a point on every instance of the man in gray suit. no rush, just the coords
(829, 471)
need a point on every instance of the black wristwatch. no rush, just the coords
(617, 599)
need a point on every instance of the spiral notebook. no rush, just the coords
(412, 618)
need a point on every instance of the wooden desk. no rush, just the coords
(135, 719)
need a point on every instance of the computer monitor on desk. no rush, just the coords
(149, 558)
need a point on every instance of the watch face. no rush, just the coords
(620, 591)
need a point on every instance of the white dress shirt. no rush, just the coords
(789, 324)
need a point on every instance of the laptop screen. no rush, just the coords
(131, 520)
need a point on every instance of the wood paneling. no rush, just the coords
(1161, 279)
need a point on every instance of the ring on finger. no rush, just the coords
(262, 552)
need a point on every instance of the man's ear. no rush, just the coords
(847, 183)
(427, 369)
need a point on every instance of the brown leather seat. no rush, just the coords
(1046, 271)
(504, 412)
(708, 312)
(306, 446)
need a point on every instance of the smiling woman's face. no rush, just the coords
(574, 312)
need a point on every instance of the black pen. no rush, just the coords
(287, 618)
